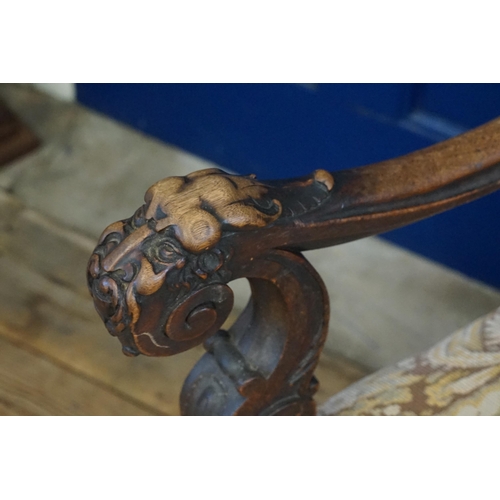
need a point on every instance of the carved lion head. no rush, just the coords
(158, 279)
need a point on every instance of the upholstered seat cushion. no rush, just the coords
(458, 376)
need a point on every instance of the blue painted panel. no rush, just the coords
(286, 130)
(466, 239)
(469, 105)
(270, 130)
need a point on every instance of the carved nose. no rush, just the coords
(106, 295)
(125, 270)
(108, 301)
(115, 259)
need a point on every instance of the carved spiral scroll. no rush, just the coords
(201, 314)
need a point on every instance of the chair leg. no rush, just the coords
(264, 365)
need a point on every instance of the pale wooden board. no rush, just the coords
(387, 304)
(32, 385)
(335, 373)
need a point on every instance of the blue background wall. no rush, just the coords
(285, 130)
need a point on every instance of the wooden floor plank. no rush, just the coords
(335, 373)
(31, 385)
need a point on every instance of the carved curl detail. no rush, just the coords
(201, 204)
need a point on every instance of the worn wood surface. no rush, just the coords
(44, 382)
(33, 384)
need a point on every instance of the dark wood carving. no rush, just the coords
(160, 279)
(15, 138)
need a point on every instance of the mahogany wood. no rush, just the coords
(159, 279)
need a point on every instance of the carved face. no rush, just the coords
(158, 278)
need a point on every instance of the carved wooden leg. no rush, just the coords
(264, 365)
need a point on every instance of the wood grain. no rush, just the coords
(200, 203)
(335, 373)
(30, 384)
(34, 383)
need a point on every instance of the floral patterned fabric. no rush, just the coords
(458, 376)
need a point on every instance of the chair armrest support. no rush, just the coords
(159, 279)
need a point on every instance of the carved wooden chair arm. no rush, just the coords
(159, 279)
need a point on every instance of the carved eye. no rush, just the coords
(168, 253)
(162, 251)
